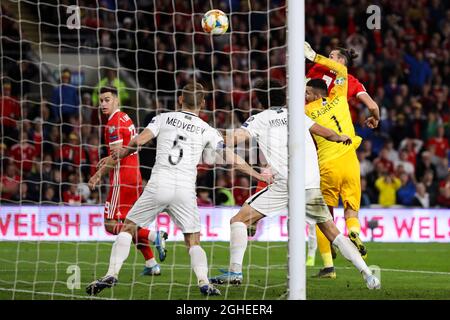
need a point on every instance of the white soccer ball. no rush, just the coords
(215, 22)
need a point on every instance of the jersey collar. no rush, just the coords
(112, 115)
(189, 113)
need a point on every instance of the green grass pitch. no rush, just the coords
(33, 270)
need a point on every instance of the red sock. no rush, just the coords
(143, 233)
(143, 244)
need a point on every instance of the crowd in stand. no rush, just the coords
(49, 151)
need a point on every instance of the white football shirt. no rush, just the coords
(181, 138)
(312, 174)
(269, 128)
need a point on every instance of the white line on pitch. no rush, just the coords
(399, 270)
(55, 294)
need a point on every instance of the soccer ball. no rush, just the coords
(215, 22)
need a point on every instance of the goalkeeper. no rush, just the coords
(339, 165)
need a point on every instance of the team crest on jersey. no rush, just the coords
(112, 129)
(339, 81)
(245, 124)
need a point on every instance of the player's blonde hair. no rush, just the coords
(193, 95)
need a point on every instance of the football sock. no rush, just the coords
(324, 248)
(119, 253)
(238, 245)
(312, 240)
(353, 224)
(350, 253)
(146, 233)
(143, 245)
(199, 264)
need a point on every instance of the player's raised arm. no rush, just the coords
(372, 121)
(341, 83)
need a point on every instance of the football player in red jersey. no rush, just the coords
(355, 88)
(125, 181)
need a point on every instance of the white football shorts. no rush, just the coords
(179, 203)
(271, 200)
(316, 208)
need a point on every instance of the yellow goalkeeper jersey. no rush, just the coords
(333, 112)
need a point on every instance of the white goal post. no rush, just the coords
(296, 100)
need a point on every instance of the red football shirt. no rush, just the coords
(23, 153)
(441, 145)
(355, 87)
(120, 128)
(10, 111)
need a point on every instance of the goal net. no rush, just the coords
(55, 55)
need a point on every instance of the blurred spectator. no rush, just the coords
(431, 186)
(111, 80)
(387, 186)
(444, 193)
(92, 152)
(65, 99)
(223, 196)
(424, 165)
(412, 147)
(24, 196)
(9, 183)
(392, 154)
(203, 198)
(421, 198)
(405, 194)
(241, 191)
(71, 155)
(366, 197)
(10, 113)
(94, 197)
(383, 157)
(71, 196)
(23, 153)
(405, 163)
(50, 197)
(440, 143)
(419, 71)
(366, 166)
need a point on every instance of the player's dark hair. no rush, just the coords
(318, 84)
(193, 94)
(270, 93)
(113, 90)
(348, 54)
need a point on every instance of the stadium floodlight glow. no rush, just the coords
(296, 101)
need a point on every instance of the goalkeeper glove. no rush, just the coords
(310, 54)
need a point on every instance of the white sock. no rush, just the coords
(119, 253)
(199, 264)
(150, 263)
(350, 253)
(238, 245)
(312, 240)
(152, 236)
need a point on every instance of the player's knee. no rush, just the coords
(191, 240)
